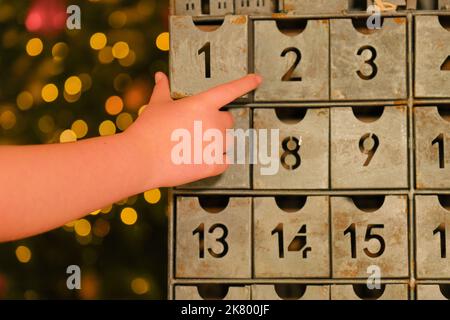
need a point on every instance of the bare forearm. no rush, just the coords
(45, 186)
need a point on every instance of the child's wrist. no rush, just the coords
(139, 154)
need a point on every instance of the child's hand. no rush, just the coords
(152, 131)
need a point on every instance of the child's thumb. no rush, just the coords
(161, 91)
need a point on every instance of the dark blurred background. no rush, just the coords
(59, 85)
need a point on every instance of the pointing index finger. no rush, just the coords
(226, 93)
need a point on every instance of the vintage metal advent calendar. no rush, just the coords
(363, 187)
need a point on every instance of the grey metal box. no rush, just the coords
(432, 140)
(355, 292)
(369, 234)
(368, 65)
(432, 236)
(432, 58)
(315, 6)
(303, 148)
(190, 292)
(290, 292)
(237, 175)
(201, 56)
(262, 7)
(433, 292)
(369, 153)
(291, 237)
(213, 237)
(294, 66)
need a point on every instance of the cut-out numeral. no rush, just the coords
(298, 244)
(443, 237)
(445, 66)
(439, 140)
(351, 230)
(288, 76)
(370, 62)
(368, 144)
(291, 148)
(206, 49)
(200, 230)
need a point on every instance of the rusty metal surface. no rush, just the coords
(391, 292)
(315, 6)
(391, 221)
(188, 70)
(311, 292)
(236, 262)
(368, 66)
(192, 293)
(432, 221)
(369, 154)
(396, 2)
(305, 240)
(431, 134)
(424, 122)
(430, 292)
(255, 6)
(432, 79)
(444, 4)
(305, 54)
(237, 175)
(312, 130)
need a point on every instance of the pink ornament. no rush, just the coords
(46, 17)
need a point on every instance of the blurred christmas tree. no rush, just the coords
(60, 85)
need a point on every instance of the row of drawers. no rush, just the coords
(267, 7)
(311, 60)
(310, 237)
(342, 148)
(310, 292)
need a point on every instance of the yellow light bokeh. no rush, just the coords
(67, 136)
(105, 55)
(34, 47)
(101, 228)
(23, 254)
(70, 224)
(163, 41)
(141, 109)
(24, 100)
(80, 128)
(82, 227)
(129, 60)
(152, 196)
(98, 41)
(46, 124)
(121, 82)
(94, 213)
(128, 216)
(49, 92)
(72, 85)
(107, 128)
(140, 286)
(8, 119)
(117, 19)
(124, 120)
(71, 98)
(106, 209)
(132, 200)
(120, 50)
(114, 105)
(60, 50)
(86, 81)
